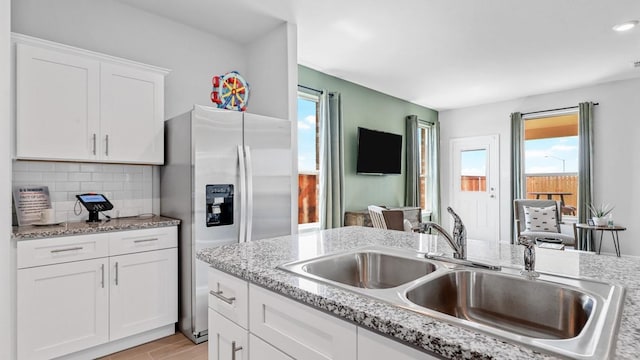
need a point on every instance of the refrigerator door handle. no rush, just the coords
(249, 192)
(243, 195)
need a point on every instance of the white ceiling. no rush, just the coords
(441, 54)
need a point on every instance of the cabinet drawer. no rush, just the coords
(299, 330)
(132, 241)
(229, 296)
(63, 249)
(374, 346)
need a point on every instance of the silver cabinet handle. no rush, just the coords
(218, 294)
(116, 273)
(94, 143)
(67, 249)
(234, 349)
(145, 240)
(102, 275)
(106, 148)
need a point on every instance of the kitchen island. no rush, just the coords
(256, 262)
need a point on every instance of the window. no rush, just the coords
(473, 170)
(428, 152)
(308, 161)
(551, 160)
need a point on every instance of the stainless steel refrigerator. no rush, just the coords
(228, 177)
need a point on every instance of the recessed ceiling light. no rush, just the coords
(626, 26)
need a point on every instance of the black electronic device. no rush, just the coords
(219, 206)
(94, 203)
(379, 152)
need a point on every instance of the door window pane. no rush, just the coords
(473, 170)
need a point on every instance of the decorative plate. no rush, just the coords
(230, 91)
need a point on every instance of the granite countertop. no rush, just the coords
(256, 262)
(30, 232)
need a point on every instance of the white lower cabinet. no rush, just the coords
(227, 341)
(67, 303)
(280, 328)
(143, 291)
(62, 308)
(260, 350)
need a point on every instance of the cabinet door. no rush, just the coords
(227, 341)
(62, 308)
(144, 292)
(57, 105)
(374, 346)
(260, 350)
(131, 115)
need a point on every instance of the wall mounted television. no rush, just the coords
(378, 152)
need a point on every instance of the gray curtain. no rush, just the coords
(331, 161)
(412, 182)
(412, 186)
(517, 176)
(585, 165)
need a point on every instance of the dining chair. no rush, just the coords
(540, 220)
(382, 218)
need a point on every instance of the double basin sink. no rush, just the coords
(569, 317)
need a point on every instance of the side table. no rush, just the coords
(614, 230)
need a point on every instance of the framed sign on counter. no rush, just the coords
(29, 201)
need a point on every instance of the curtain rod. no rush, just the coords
(310, 88)
(558, 109)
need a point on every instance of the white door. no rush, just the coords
(131, 115)
(227, 341)
(474, 185)
(57, 105)
(62, 308)
(143, 292)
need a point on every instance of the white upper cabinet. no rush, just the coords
(77, 105)
(132, 114)
(58, 104)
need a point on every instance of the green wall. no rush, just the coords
(368, 108)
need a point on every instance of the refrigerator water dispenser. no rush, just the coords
(219, 204)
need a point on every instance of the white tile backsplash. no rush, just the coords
(130, 186)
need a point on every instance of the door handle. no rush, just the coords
(94, 143)
(249, 193)
(145, 240)
(102, 275)
(243, 194)
(106, 148)
(218, 294)
(234, 349)
(67, 249)
(116, 273)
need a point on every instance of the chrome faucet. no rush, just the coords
(529, 257)
(458, 241)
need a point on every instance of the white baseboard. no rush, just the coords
(122, 344)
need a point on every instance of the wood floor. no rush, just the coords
(174, 347)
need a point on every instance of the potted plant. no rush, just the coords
(600, 212)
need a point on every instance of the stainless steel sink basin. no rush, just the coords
(570, 317)
(530, 308)
(367, 268)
